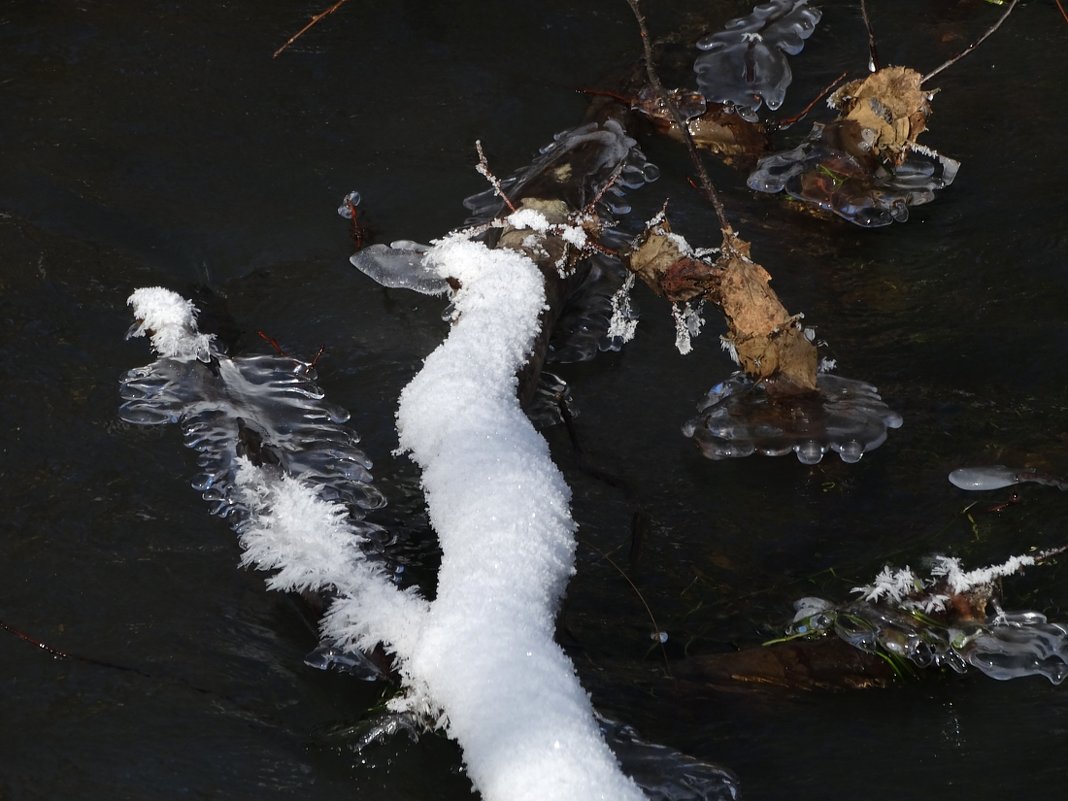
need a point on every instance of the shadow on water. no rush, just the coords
(163, 145)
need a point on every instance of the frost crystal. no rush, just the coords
(170, 321)
(688, 322)
(623, 323)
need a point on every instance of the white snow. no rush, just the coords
(171, 323)
(500, 506)
(480, 658)
(688, 323)
(961, 581)
(528, 218)
(891, 586)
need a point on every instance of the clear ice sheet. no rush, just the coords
(400, 265)
(663, 773)
(267, 408)
(822, 173)
(739, 418)
(745, 65)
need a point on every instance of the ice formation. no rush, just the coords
(997, 476)
(603, 162)
(265, 408)
(868, 193)
(745, 64)
(939, 621)
(399, 265)
(739, 417)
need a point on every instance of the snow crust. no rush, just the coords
(500, 506)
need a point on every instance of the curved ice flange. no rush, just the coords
(739, 418)
(582, 330)
(267, 408)
(663, 773)
(1008, 645)
(400, 265)
(745, 64)
(868, 194)
(593, 152)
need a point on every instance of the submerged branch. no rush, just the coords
(311, 23)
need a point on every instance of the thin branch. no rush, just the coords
(484, 170)
(657, 631)
(1063, 12)
(306, 28)
(654, 80)
(786, 123)
(873, 53)
(972, 46)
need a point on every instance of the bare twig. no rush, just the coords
(309, 26)
(972, 46)
(1061, 8)
(873, 53)
(484, 170)
(55, 653)
(786, 123)
(707, 188)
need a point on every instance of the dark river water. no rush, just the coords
(158, 143)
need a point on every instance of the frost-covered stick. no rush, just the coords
(481, 658)
(486, 654)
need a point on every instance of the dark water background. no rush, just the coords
(159, 143)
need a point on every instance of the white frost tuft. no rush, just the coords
(623, 323)
(171, 322)
(892, 586)
(308, 541)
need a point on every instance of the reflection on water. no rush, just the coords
(162, 145)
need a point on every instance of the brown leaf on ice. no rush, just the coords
(889, 108)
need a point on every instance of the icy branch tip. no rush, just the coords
(170, 321)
